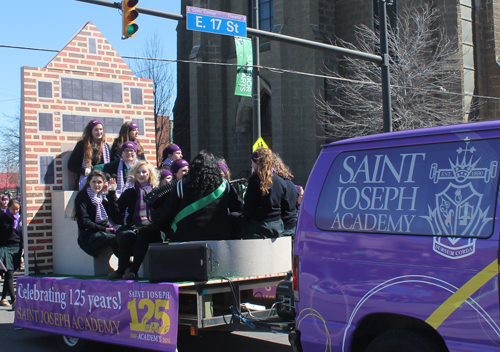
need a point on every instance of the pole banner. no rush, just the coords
(244, 54)
(125, 313)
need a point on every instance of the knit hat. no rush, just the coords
(132, 126)
(130, 145)
(223, 167)
(170, 150)
(5, 197)
(178, 165)
(254, 157)
(164, 174)
(94, 123)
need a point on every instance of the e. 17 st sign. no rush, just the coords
(206, 20)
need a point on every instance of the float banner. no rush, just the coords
(125, 313)
(244, 56)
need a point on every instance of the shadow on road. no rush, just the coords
(25, 340)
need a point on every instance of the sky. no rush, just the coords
(27, 23)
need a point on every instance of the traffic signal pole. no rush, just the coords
(257, 127)
(381, 60)
(384, 65)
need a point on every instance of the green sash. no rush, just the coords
(191, 208)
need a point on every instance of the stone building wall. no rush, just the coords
(209, 116)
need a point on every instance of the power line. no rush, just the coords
(271, 69)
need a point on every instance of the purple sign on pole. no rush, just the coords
(212, 13)
(120, 312)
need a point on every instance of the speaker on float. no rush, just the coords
(178, 262)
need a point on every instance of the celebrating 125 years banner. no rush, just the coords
(244, 57)
(120, 312)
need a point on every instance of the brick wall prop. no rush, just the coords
(52, 113)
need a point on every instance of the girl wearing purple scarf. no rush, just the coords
(136, 233)
(5, 202)
(10, 249)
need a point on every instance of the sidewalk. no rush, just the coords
(6, 313)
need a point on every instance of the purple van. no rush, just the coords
(397, 243)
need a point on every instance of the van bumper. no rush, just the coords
(294, 338)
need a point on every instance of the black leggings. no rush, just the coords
(126, 241)
(136, 244)
(145, 236)
(8, 285)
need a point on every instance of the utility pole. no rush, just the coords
(255, 73)
(386, 78)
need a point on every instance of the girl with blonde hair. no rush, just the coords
(137, 231)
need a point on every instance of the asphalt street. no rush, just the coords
(25, 340)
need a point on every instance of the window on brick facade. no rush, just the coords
(140, 123)
(47, 170)
(45, 122)
(83, 89)
(112, 124)
(45, 89)
(92, 46)
(77, 123)
(136, 96)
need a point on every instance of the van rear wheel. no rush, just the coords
(72, 344)
(403, 340)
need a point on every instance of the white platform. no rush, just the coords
(255, 257)
(69, 258)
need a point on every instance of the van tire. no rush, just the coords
(403, 340)
(72, 344)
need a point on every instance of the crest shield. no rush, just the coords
(458, 208)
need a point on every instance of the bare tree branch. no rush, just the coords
(424, 64)
(162, 74)
(9, 151)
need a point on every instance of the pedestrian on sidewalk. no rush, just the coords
(11, 245)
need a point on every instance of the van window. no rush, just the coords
(441, 189)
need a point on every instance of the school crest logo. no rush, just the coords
(458, 211)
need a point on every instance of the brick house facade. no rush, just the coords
(87, 79)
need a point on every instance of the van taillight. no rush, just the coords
(295, 268)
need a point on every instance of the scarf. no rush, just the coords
(97, 199)
(168, 162)
(14, 218)
(141, 214)
(105, 155)
(121, 186)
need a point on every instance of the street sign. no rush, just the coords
(218, 22)
(259, 143)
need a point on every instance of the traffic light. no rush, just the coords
(128, 18)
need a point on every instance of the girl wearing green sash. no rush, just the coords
(198, 209)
